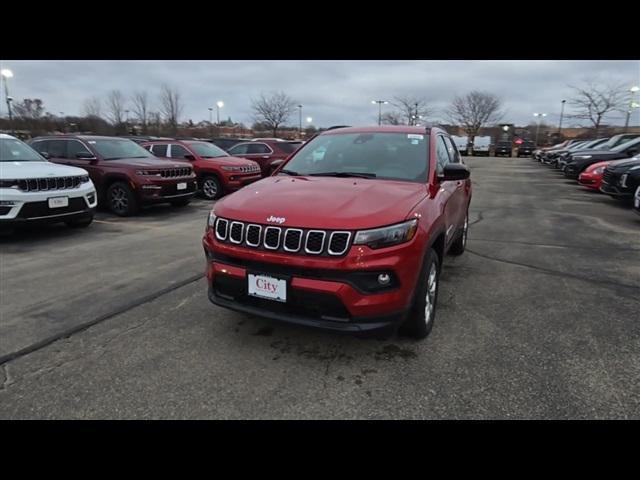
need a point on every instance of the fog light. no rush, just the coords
(384, 279)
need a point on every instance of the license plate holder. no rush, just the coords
(182, 186)
(267, 286)
(58, 202)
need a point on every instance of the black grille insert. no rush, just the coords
(235, 233)
(253, 235)
(272, 238)
(315, 241)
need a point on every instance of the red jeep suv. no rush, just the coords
(349, 234)
(125, 175)
(218, 173)
(265, 152)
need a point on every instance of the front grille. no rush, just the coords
(609, 177)
(291, 240)
(249, 169)
(176, 172)
(51, 183)
(41, 209)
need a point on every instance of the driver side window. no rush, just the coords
(442, 154)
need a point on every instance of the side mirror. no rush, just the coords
(188, 156)
(85, 156)
(455, 172)
(45, 155)
(274, 166)
(632, 152)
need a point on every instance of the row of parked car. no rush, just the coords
(63, 178)
(610, 165)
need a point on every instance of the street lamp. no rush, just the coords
(309, 119)
(211, 121)
(220, 104)
(7, 74)
(380, 103)
(300, 119)
(561, 116)
(632, 105)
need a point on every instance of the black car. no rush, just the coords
(580, 160)
(503, 148)
(622, 180)
(562, 157)
(636, 201)
(526, 148)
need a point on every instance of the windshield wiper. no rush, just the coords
(289, 172)
(344, 174)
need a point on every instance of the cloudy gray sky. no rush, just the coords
(332, 92)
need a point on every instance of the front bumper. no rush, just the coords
(236, 182)
(321, 292)
(19, 207)
(162, 191)
(616, 190)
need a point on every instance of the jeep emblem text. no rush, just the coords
(278, 220)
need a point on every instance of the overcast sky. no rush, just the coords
(332, 92)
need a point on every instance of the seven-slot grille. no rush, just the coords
(52, 183)
(176, 172)
(292, 240)
(249, 169)
(609, 177)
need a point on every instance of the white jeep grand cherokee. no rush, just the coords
(33, 190)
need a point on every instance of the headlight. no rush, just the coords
(387, 236)
(211, 220)
(84, 179)
(148, 173)
(598, 170)
(8, 183)
(582, 157)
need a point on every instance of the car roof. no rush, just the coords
(382, 129)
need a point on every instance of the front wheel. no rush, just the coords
(121, 199)
(423, 311)
(211, 188)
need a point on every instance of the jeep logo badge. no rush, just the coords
(278, 220)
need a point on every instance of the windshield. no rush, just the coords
(625, 145)
(397, 156)
(207, 150)
(13, 150)
(113, 149)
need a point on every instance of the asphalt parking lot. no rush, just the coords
(538, 320)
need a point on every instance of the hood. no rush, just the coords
(231, 161)
(25, 170)
(151, 162)
(623, 165)
(323, 202)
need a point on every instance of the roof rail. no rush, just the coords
(338, 126)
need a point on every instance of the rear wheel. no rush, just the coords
(121, 199)
(211, 188)
(423, 311)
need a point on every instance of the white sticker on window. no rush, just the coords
(416, 136)
(415, 142)
(92, 142)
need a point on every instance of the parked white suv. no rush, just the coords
(33, 190)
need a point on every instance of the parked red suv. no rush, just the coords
(125, 175)
(349, 234)
(218, 173)
(265, 152)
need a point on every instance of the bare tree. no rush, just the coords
(412, 108)
(393, 118)
(115, 107)
(170, 106)
(92, 107)
(593, 101)
(140, 108)
(273, 110)
(29, 109)
(475, 110)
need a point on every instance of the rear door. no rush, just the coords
(463, 187)
(448, 190)
(57, 150)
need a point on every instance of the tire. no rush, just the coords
(458, 246)
(211, 187)
(121, 199)
(183, 202)
(423, 311)
(80, 223)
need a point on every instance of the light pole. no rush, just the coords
(220, 104)
(126, 120)
(632, 105)
(7, 74)
(300, 119)
(380, 103)
(540, 116)
(561, 116)
(64, 122)
(211, 121)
